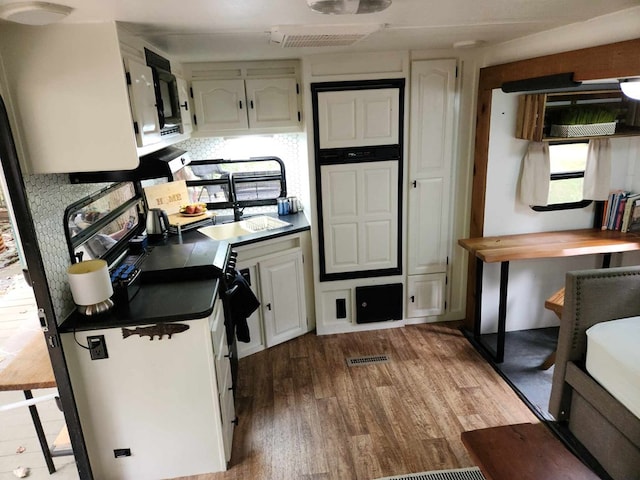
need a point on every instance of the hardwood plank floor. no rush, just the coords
(304, 414)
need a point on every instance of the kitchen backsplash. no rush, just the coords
(50, 195)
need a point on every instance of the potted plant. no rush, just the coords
(584, 121)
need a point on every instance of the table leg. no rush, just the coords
(502, 311)
(478, 310)
(40, 432)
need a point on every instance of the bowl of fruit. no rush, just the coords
(193, 209)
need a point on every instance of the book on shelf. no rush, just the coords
(631, 220)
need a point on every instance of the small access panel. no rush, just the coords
(379, 303)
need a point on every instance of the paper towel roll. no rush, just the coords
(89, 281)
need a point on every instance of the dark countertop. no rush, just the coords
(184, 299)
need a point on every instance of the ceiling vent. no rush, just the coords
(320, 35)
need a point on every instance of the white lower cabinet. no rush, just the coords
(155, 409)
(278, 276)
(282, 298)
(426, 295)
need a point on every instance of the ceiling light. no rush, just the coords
(34, 13)
(631, 87)
(353, 7)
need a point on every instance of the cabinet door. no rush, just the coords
(360, 216)
(358, 118)
(430, 161)
(220, 105)
(272, 102)
(185, 108)
(143, 103)
(425, 295)
(283, 298)
(136, 397)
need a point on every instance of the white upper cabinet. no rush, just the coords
(358, 118)
(69, 97)
(360, 216)
(273, 102)
(185, 106)
(220, 105)
(241, 105)
(143, 103)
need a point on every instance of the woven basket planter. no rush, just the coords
(589, 130)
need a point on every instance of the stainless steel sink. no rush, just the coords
(251, 225)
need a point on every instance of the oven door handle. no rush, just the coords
(231, 291)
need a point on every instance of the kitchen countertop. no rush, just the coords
(186, 299)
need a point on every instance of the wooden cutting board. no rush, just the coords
(170, 197)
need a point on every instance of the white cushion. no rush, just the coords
(613, 359)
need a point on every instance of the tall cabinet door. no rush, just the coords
(220, 105)
(282, 297)
(272, 102)
(360, 216)
(358, 118)
(430, 163)
(143, 103)
(430, 169)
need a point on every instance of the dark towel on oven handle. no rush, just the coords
(243, 303)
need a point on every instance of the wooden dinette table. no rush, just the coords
(505, 248)
(30, 370)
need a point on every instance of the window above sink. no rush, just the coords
(219, 183)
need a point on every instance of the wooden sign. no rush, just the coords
(167, 196)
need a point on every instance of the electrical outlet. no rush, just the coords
(97, 347)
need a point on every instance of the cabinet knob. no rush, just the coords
(240, 102)
(235, 421)
(251, 104)
(185, 105)
(415, 184)
(268, 306)
(413, 299)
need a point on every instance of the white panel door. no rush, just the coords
(360, 216)
(425, 295)
(220, 105)
(185, 107)
(143, 103)
(428, 226)
(356, 118)
(282, 298)
(272, 102)
(430, 161)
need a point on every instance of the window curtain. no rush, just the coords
(597, 173)
(536, 173)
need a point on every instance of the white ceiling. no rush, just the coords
(207, 30)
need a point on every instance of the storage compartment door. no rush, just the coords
(379, 303)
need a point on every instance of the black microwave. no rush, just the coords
(166, 90)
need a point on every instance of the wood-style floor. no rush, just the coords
(305, 415)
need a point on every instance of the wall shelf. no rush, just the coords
(535, 112)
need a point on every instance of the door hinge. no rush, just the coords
(447, 259)
(135, 128)
(128, 77)
(191, 91)
(299, 116)
(195, 120)
(297, 88)
(456, 71)
(445, 305)
(446, 280)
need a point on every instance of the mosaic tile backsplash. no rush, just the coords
(50, 195)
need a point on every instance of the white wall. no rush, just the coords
(532, 281)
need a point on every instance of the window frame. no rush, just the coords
(564, 176)
(232, 180)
